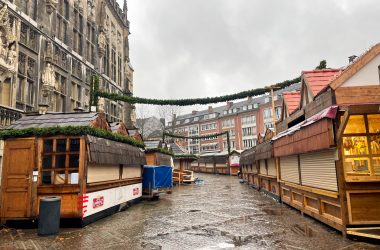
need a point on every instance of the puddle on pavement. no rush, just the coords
(304, 230)
(273, 211)
(194, 210)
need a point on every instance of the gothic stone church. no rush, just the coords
(50, 49)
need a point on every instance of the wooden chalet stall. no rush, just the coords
(249, 168)
(215, 163)
(74, 156)
(267, 165)
(329, 159)
(156, 155)
(182, 164)
(234, 160)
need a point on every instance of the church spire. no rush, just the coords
(125, 7)
(125, 10)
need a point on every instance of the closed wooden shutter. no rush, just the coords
(254, 169)
(318, 170)
(209, 165)
(263, 170)
(289, 169)
(272, 167)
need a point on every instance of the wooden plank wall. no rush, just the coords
(358, 95)
(319, 204)
(314, 137)
(321, 102)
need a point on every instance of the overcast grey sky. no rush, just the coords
(197, 48)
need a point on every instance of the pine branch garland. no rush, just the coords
(69, 131)
(192, 101)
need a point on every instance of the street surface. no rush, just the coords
(219, 213)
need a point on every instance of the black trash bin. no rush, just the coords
(50, 214)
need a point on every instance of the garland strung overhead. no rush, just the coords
(195, 137)
(189, 101)
(159, 150)
(227, 133)
(69, 131)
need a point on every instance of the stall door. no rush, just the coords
(16, 182)
(289, 169)
(318, 170)
(272, 167)
(263, 169)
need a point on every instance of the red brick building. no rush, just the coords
(244, 120)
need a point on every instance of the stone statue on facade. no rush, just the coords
(102, 43)
(91, 10)
(8, 53)
(48, 76)
(101, 105)
(51, 6)
(12, 57)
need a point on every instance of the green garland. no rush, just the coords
(186, 156)
(200, 137)
(194, 101)
(195, 137)
(159, 150)
(69, 131)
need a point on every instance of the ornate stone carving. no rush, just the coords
(86, 99)
(102, 44)
(51, 6)
(8, 53)
(48, 76)
(79, 5)
(91, 10)
(49, 52)
(101, 105)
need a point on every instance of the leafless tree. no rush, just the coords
(169, 113)
(143, 113)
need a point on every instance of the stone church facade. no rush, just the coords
(50, 49)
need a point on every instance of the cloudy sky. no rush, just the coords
(198, 48)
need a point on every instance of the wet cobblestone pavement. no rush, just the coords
(220, 213)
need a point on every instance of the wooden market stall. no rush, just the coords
(234, 161)
(182, 172)
(248, 167)
(329, 160)
(213, 162)
(74, 156)
(267, 166)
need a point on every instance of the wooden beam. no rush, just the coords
(342, 126)
(355, 67)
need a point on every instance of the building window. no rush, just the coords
(268, 113)
(247, 131)
(361, 148)
(60, 161)
(209, 126)
(119, 70)
(251, 119)
(113, 64)
(228, 123)
(26, 86)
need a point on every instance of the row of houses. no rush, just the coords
(245, 121)
(325, 158)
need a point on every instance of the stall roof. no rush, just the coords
(55, 120)
(264, 151)
(104, 151)
(320, 79)
(292, 100)
(152, 144)
(247, 157)
(177, 149)
(329, 112)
